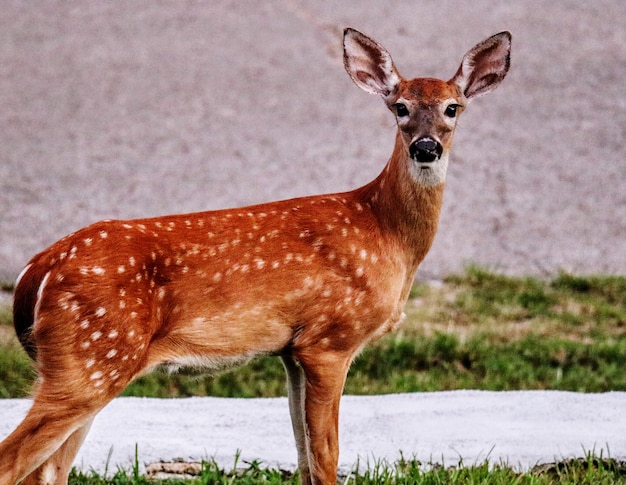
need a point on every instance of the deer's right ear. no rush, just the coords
(369, 64)
(483, 68)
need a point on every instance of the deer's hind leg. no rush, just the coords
(56, 469)
(43, 443)
(73, 387)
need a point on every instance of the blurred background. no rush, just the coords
(134, 109)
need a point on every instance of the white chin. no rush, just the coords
(430, 174)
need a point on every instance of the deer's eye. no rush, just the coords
(401, 110)
(451, 110)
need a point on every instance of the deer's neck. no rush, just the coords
(407, 204)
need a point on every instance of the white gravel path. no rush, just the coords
(522, 428)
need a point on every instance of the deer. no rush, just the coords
(311, 280)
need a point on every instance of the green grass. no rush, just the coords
(478, 330)
(590, 470)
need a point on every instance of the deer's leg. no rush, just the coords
(325, 377)
(42, 447)
(45, 429)
(56, 469)
(296, 389)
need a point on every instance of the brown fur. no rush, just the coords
(311, 280)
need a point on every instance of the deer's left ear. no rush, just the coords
(484, 67)
(369, 64)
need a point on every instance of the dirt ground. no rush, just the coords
(132, 109)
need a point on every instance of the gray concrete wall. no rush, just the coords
(132, 109)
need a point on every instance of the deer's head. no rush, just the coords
(426, 109)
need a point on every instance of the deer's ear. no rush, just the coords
(369, 64)
(484, 67)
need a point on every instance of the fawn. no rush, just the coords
(311, 280)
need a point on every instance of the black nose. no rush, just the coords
(425, 150)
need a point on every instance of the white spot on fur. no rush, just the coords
(113, 334)
(22, 273)
(95, 375)
(88, 241)
(111, 353)
(48, 474)
(96, 335)
(90, 363)
(40, 294)
(98, 270)
(131, 261)
(104, 234)
(84, 324)
(100, 311)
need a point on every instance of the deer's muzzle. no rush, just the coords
(425, 150)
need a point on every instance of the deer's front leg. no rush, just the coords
(325, 376)
(297, 390)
